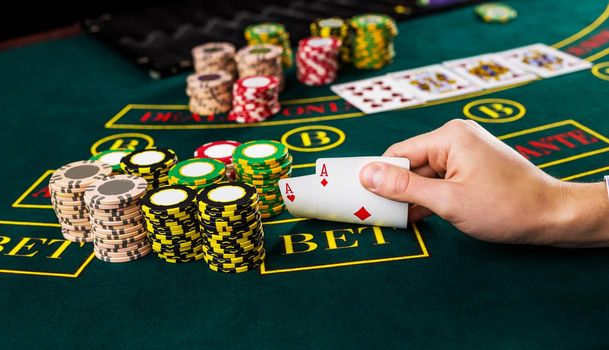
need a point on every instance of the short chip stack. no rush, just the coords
(197, 173)
(274, 34)
(233, 238)
(373, 40)
(171, 220)
(495, 12)
(256, 98)
(210, 93)
(317, 60)
(118, 230)
(214, 56)
(222, 151)
(335, 27)
(113, 158)
(261, 164)
(264, 59)
(152, 164)
(67, 187)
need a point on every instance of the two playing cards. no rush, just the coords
(335, 193)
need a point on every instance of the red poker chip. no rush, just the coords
(220, 150)
(256, 83)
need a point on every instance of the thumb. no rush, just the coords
(403, 185)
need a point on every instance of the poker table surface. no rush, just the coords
(323, 284)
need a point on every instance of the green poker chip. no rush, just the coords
(197, 171)
(495, 12)
(112, 157)
(260, 152)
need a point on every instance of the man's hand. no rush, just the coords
(486, 189)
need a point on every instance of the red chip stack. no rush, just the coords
(317, 60)
(222, 151)
(255, 98)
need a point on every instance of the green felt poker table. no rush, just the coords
(323, 284)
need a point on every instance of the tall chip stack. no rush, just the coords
(210, 93)
(264, 59)
(113, 158)
(261, 164)
(373, 36)
(256, 98)
(231, 226)
(335, 27)
(221, 150)
(197, 173)
(214, 56)
(317, 60)
(67, 186)
(171, 214)
(152, 164)
(118, 228)
(274, 34)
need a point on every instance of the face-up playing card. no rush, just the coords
(489, 71)
(299, 195)
(544, 60)
(377, 94)
(434, 82)
(341, 197)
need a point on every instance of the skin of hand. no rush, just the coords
(464, 174)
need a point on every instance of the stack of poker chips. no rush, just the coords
(233, 239)
(170, 215)
(212, 57)
(274, 34)
(67, 187)
(264, 59)
(317, 60)
(222, 151)
(335, 27)
(210, 93)
(113, 158)
(197, 173)
(261, 164)
(255, 99)
(373, 36)
(118, 230)
(152, 164)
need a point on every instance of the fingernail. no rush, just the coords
(373, 177)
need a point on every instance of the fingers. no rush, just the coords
(402, 185)
(418, 213)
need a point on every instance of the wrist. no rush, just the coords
(578, 216)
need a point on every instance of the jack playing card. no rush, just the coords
(378, 94)
(489, 71)
(434, 82)
(543, 60)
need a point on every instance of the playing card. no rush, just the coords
(341, 197)
(544, 60)
(299, 195)
(377, 94)
(434, 82)
(489, 71)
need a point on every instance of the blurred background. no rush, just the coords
(157, 35)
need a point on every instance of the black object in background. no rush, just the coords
(159, 38)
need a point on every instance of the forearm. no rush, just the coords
(579, 217)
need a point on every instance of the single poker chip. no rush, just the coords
(495, 12)
(260, 152)
(220, 150)
(169, 199)
(112, 157)
(149, 160)
(217, 268)
(116, 189)
(228, 195)
(197, 171)
(76, 176)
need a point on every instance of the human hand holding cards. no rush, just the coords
(334, 193)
